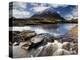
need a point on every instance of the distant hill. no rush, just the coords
(48, 14)
(45, 17)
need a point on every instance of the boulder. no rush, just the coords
(17, 38)
(41, 40)
(21, 36)
(27, 34)
(51, 49)
(25, 45)
(14, 37)
(44, 37)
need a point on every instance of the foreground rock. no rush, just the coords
(27, 34)
(21, 36)
(15, 37)
(50, 49)
(41, 39)
(44, 44)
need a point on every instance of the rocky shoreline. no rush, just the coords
(43, 44)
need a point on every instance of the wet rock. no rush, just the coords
(37, 39)
(21, 36)
(46, 50)
(27, 34)
(74, 48)
(44, 37)
(66, 45)
(16, 44)
(51, 49)
(17, 38)
(41, 39)
(74, 32)
(70, 46)
(61, 52)
(14, 37)
(25, 45)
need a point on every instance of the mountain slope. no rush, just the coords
(48, 14)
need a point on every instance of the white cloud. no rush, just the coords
(75, 13)
(39, 9)
(39, 4)
(72, 15)
(34, 4)
(19, 5)
(21, 14)
(19, 10)
(57, 5)
(68, 16)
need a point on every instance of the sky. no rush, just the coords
(26, 10)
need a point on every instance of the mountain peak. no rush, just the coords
(48, 13)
